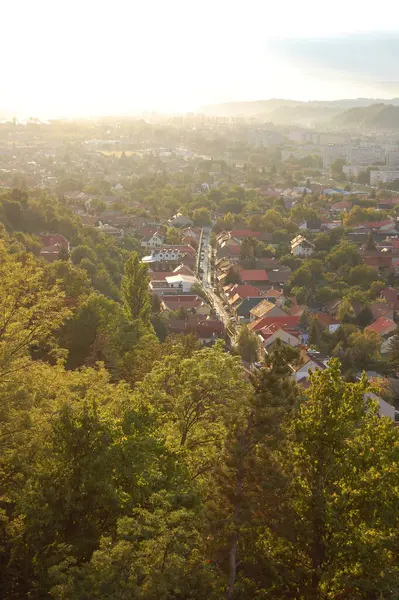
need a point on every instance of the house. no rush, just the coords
(390, 295)
(328, 321)
(240, 234)
(110, 230)
(266, 309)
(288, 321)
(313, 361)
(384, 327)
(242, 290)
(243, 309)
(207, 330)
(229, 249)
(52, 245)
(279, 276)
(155, 240)
(179, 220)
(271, 333)
(256, 277)
(181, 282)
(275, 296)
(301, 247)
(339, 207)
(189, 302)
(380, 260)
(386, 345)
(381, 309)
(163, 255)
(193, 232)
(170, 253)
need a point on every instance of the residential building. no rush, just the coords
(288, 321)
(156, 240)
(188, 302)
(383, 176)
(257, 277)
(243, 309)
(270, 334)
(384, 327)
(266, 309)
(301, 247)
(181, 282)
(52, 245)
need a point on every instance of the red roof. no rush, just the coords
(390, 294)
(54, 239)
(377, 224)
(244, 290)
(242, 233)
(326, 319)
(254, 275)
(187, 302)
(382, 326)
(282, 322)
(269, 330)
(144, 231)
(274, 293)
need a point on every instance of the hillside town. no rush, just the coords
(249, 234)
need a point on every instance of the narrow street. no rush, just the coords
(206, 266)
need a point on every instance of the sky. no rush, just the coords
(85, 58)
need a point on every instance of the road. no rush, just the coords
(206, 266)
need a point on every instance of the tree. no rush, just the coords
(134, 290)
(345, 254)
(316, 331)
(251, 485)
(247, 248)
(233, 276)
(247, 344)
(337, 166)
(362, 275)
(30, 312)
(394, 350)
(342, 508)
(202, 217)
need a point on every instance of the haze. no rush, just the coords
(90, 58)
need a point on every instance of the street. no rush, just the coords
(206, 266)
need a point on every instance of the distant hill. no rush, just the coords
(245, 109)
(376, 116)
(285, 112)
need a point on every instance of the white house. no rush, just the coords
(280, 334)
(164, 254)
(153, 241)
(181, 282)
(300, 246)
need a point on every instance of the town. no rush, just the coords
(250, 234)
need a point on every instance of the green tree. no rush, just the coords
(344, 491)
(337, 166)
(202, 217)
(134, 290)
(247, 344)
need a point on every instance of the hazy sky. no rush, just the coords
(91, 57)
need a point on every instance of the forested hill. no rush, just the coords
(366, 112)
(376, 116)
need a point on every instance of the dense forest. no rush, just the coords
(137, 468)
